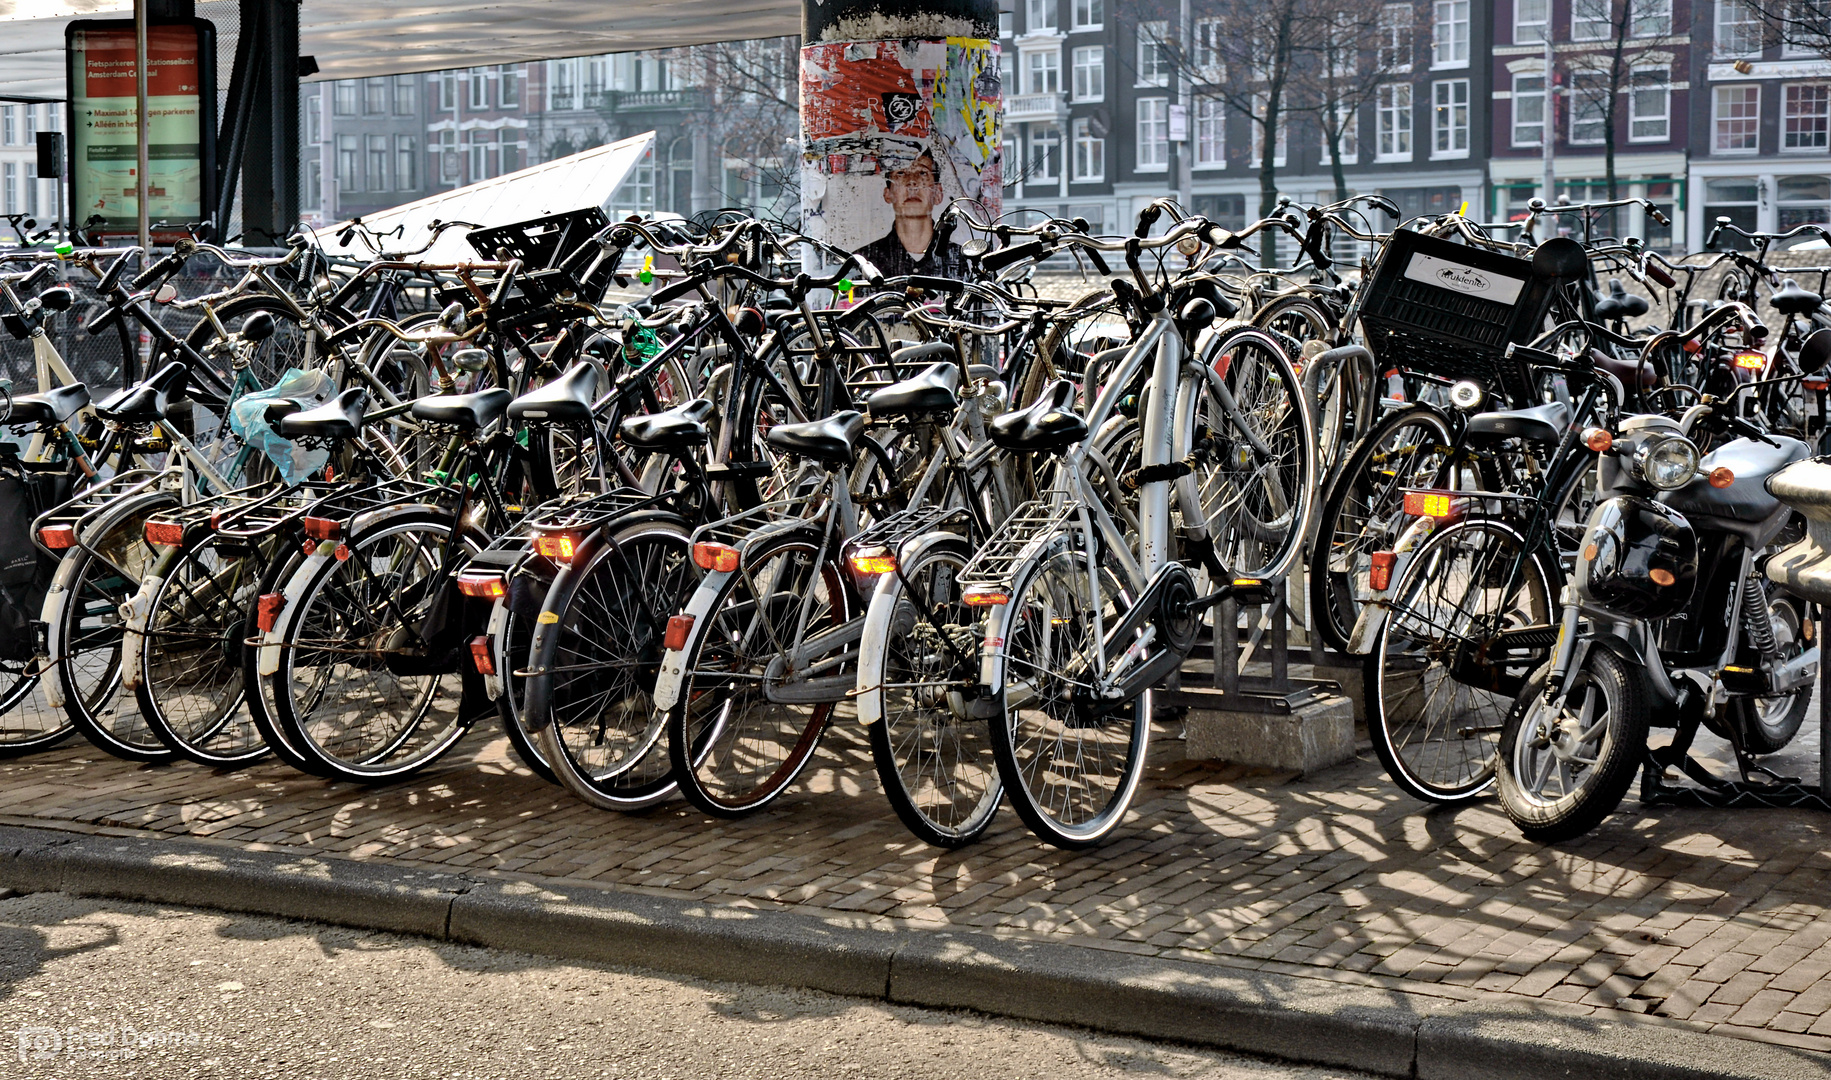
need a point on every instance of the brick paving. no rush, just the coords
(1711, 917)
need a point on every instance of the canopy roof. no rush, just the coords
(356, 38)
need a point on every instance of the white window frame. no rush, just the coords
(1717, 119)
(1449, 41)
(1444, 115)
(1280, 150)
(1398, 47)
(375, 163)
(1209, 61)
(1393, 122)
(408, 87)
(1592, 20)
(1520, 95)
(1089, 165)
(1787, 115)
(1153, 149)
(1651, 19)
(1046, 149)
(1153, 53)
(1042, 67)
(1580, 101)
(1041, 17)
(1647, 80)
(1210, 133)
(1089, 15)
(562, 85)
(477, 89)
(1530, 29)
(406, 162)
(1089, 74)
(1731, 35)
(348, 161)
(9, 125)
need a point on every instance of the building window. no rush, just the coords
(1153, 54)
(1350, 137)
(562, 85)
(448, 156)
(1738, 120)
(479, 82)
(1208, 59)
(1393, 108)
(1649, 105)
(1591, 20)
(1395, 37)
(1588, 116)
(508, 91)
(1008, 163)
(374, 97)
(1090, 73)
(1450, 118)
(1652, 18)
(1210, 133)
(314, 121)
(1450, 34)
(1043, 72)
(1529, 19)
(448, 92)
(1089, 153)
(1260, 103)
(1089, 14)
(377, 177)
(1804, 200)
(1528, 110)
(9, 125)
(312, 197)
(1006, 23)
(349, 164)
(406, 94)
(1153, 134)
(1739, 30)
(1045, 153)
(481, 143)
(343, 98)
(1737, 198)
(11, 199)
(1807, 119)
(1040, 16)
(406, 162)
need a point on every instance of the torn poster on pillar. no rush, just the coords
(892, 133)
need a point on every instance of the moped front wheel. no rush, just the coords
(1566, 762)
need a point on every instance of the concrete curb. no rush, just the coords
(1385, 1031)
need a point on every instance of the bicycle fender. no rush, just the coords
(674, 661)
(134, 614)
(1372, 616)
(498, 625)
(869, 697)
(294, 591)
(51, 615)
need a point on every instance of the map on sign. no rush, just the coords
(104, 128)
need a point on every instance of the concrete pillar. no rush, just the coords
(900, 116)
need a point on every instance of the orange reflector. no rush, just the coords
(1694, 346)
(679, 626)
(1722, 477)
(985, 596)
(267, 610)
(341, 552)
(1598, 439)
(557, 546)
(482, 586)
(1379, 575)
(1433, 504)
(1749, 360)
(321, 528)
(480, 656)
(167, 533)
(1661, 576)
(721, 558)
(873, 560)
(1815, 383)
(57, 537)
(1589, 553)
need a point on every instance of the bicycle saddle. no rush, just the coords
(1619, 304)
(565, 400)
(912, 352)
(51, 407)
(671, 429)
(933, 389)
(472, 412)
(1790, 299)
(1049, 425)
(338, 418)
(1625, 370)
(1541, 423)
(146, 402)
(831, 440)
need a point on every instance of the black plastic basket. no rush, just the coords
(541, 244)
(1451, 310)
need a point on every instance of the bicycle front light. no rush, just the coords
(1666, 462)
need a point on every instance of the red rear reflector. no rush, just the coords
(321, 528)
(679, 626)
(167, 533)
(1433, 504)
(482, 586)
(1751, 361)
(267, 610)
(1815, 382)
(1379, 575)
(480, 656)
(57, 537)
(558, 546)
(722, 558)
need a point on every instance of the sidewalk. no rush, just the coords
(1328, 919)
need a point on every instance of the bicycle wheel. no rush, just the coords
(189, 687)
(95, 581)
(1363, 513)
(1070, 773)
(736, 739)
(918, 661)
(359, 694)
(1254, 444)
(27, 720)
(511, 632)
(290, 345)
(1471, 616)
(598, 658)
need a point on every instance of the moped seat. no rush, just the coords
(565, 400)
(831, 440)
(672, 429)
(1049, 425)
(1540, 423)
(51, 407)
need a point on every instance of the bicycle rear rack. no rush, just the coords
(895, 530)
(739, 527)
(79, 510)
(1001, 557)
(582, 513)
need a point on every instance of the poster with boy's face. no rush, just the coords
(892, 132)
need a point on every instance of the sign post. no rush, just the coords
(51, 166)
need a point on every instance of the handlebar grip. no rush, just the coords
(1660, 217)
(675, 291)
(1658, 274)
(1099, 264)
(101, 322)
(1003, 257)
(31, 280)
(165, 267)
(1147, 218)
(112, 279)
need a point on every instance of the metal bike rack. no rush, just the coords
(1267, 637)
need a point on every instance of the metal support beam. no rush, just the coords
(270, 149)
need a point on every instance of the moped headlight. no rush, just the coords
(1666, 463)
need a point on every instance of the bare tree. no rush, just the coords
(1634, 39)
(1352, 50)
(1803, 24)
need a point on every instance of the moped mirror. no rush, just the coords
(1816, 350)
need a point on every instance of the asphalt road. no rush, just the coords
(92, 988)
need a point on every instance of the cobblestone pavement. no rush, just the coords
(1713, 917)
